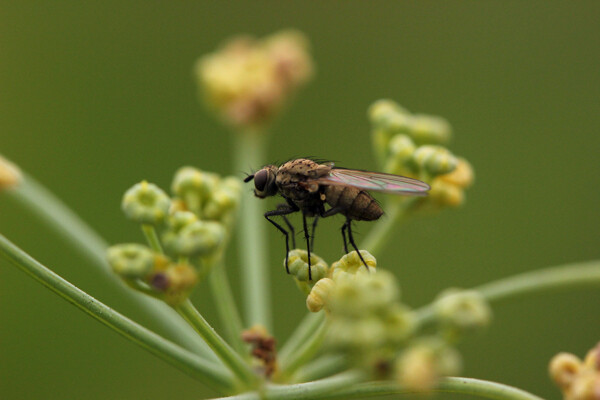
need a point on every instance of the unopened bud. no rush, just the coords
(130, 260)
(197, 238)
(145, 203)
(436, 160)
(193, 187)
(428, 129)
(298, 266)
(463, 310)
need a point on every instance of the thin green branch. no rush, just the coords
(552, 278)
(225, 303)
(229, 357)
(304, 391)
(152, 237)
(48, 208)
(249, 154)
(304, 330)
(476, 387)
(305, 353)
(207, 372)
(321, 367)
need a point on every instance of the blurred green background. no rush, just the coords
(95, 96)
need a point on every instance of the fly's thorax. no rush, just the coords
(302, 169)
(355, 203)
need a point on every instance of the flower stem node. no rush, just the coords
(298, 266)
(131, 260)
(146, 203)
(10, 174)
(352, 264)
(177, 282)
(462, 310)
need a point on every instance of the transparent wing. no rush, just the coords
(375, 181)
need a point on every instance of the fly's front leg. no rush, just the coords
(282, 211)
(288, 223)
(314, 227)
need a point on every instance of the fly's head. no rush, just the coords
(264, 181)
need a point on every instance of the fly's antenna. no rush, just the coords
(249, 178)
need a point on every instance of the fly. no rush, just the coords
(308, 186)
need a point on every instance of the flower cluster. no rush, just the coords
(194, 226)
(369, 324)
(578, 380)
(413, 145)
(248, 80)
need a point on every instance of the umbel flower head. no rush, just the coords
(414, 145)
(248, 80)
(194, 226)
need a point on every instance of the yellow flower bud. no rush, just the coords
(10, 174)
(352, 264)
(563, 369)
(181, 279)
(463, 309)
(317, 298)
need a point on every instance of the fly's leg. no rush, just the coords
(282, 211)
(348, 225)
(308, 240)
(288, 223)
(344, 227)
(314, 227)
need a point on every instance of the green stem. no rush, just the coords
(305, 353)
(48, 208)
(249, 153)
(561, 277)
(304, 391)
(207, 372)
(306, 328)
(229, 357)
(380, 233)
(321, 367)
(152, 238)
(469, 386)
(228, 312)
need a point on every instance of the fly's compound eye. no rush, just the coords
(260, 180)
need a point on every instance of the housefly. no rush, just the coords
(308, 186)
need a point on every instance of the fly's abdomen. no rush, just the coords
(355, 203)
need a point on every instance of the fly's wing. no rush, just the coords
(375, 181)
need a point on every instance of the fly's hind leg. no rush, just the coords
(283, 211)
(348, 226)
